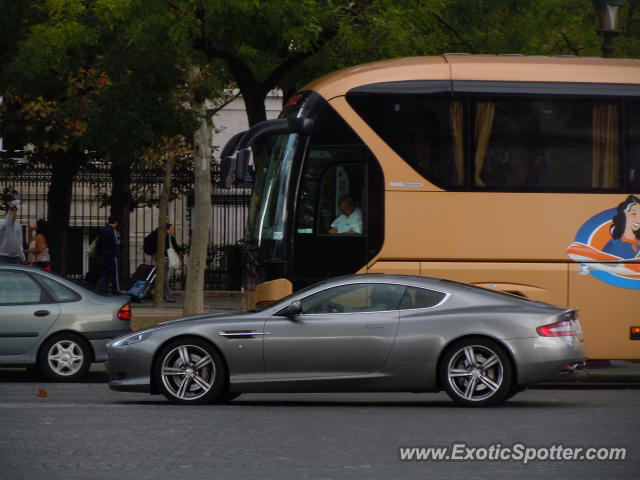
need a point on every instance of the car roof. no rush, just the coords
(387, 278)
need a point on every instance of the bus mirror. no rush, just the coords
(232, 145)
(244, 175)
(277, 126)
(227, 168)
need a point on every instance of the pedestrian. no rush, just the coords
(171, 260)
(107, 256)
(11, 237)
(39, 246)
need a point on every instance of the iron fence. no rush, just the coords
(29, 181)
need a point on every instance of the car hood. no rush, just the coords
(204, 317)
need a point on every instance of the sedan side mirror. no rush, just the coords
(291, 311)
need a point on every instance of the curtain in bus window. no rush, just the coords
(606, 157)
(633, 146)
(457, 129)
(485, 112)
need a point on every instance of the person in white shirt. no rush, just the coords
(11, 241)
(39, 247)
(350, 220)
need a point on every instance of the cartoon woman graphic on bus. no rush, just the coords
(625, 230)
(608, 245)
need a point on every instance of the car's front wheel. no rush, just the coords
(65, 357)
(476, 372)
(190, 371)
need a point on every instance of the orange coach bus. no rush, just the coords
(520, 174)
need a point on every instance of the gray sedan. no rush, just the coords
(354, 334)
(54, 324)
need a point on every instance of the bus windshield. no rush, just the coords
(268, 208)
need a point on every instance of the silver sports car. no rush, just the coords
(354, 334)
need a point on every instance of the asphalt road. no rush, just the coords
(86, 431)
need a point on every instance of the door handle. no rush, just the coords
(42, 313)
(375, 325)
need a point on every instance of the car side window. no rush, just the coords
(19, 288)
(420, 298)
(362, 297)
(59, 292)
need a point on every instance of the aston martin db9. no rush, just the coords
(355, 334)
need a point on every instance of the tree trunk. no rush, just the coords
(120, 208)
(163, 210)
(254, 99)
(201, 218)
(64, 167)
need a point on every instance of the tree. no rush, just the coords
(261, 43)
(91, 76)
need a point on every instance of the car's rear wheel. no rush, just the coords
(65, 357)
(476, 372)
(190, 371)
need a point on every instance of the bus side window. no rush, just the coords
(633, 146)
(545, 143)
(339, 182)
(327, 177)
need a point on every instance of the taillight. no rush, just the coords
(125, 312)
(557, 329)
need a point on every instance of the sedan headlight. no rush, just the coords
(131, 339)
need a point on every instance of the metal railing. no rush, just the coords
(29, 181)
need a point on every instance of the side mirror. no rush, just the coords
(291, 311)
(244, 177)
(227, 168)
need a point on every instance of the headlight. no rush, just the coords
(131, 339)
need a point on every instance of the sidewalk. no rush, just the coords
(146, 315)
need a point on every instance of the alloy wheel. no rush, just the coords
(188, 372)
(477, 373)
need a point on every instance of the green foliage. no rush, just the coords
(96, 74)
(112, 75)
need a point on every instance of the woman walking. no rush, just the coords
(39, 247)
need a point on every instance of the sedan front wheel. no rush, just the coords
(476, 372)
(190, 371)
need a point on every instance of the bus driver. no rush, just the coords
(350, 220)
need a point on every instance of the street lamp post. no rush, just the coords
(607, 13)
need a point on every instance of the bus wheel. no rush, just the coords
(476, 372)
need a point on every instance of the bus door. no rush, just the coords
(339, 213)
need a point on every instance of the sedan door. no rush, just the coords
(344, 330)
(26, 312)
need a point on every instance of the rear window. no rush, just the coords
(420, 298)
(59, 292)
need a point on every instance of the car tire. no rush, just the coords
(190, 371)
(64, 357)
(476, 372)
(227, 397)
